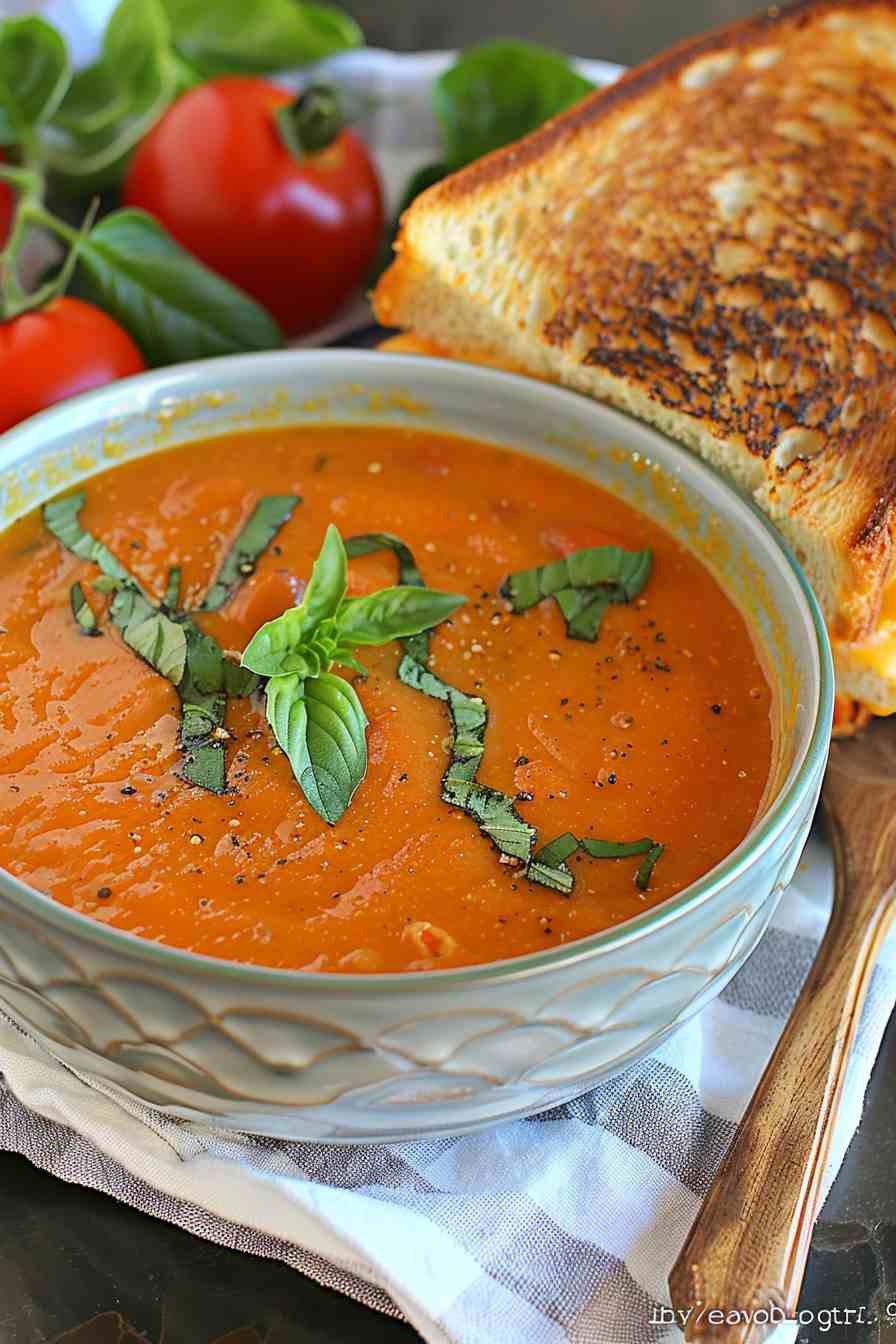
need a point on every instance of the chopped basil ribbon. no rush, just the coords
(551, 860)
(493, 811)
(172, 591)
(82, 611)
(317, 718)
(167, 638)
(267, 518)
(583, 585)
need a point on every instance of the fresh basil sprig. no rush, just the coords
(317, 718)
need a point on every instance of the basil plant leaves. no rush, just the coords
(316, 716)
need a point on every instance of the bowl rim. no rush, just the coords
(187, 380)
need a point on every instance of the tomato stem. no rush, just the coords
(28, 179)
(30, 210)
(312, 121)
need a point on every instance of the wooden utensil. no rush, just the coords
(748, 1247)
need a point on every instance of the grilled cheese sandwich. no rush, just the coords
(710, 245)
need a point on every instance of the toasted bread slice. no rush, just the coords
(710, 245)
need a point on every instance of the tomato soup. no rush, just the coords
(660, 727)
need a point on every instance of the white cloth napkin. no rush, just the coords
(559, 1228)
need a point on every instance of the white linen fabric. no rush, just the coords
(558, 1228)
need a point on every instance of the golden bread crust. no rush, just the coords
(711, 244)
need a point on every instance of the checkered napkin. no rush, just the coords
(558, 1228)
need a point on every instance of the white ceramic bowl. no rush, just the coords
(345, 1057)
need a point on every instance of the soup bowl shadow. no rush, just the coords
(384, 1057)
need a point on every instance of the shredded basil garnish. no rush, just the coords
(267, 518)
(61, 517)
(582, 584)
(82, 611)
(493, 811)
(168, 638)
(172, 591)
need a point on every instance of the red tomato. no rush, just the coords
(7, 204)
(297, 233)
(57, 351)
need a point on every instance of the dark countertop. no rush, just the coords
(78, 1267)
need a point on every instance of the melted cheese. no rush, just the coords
(878, 654)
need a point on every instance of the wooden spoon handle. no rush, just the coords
(747, 1250)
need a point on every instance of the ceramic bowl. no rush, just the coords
(349, 1057)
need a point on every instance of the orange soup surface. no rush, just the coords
(660, 728)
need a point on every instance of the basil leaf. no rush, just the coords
(624, 573)
(611, 849)
(326, 587)
(368, 543)
(267, 518)
(162, 643)
(203, 736)
(113, 103)
(304, 639)
(583, 610)
(172, 589)
(283, 646)
(231, 36)
(326, 30)
(555, 876)
(321, 726)
(95, 100)
(203, 739)
(135, 29)
(106, 584)
(549, 866)
(499, 92)
(129, 606)
(558, 851)
(239, 681)
(173, 306)
(82, 611)
(61, 518)
(206, 663)
(34, 75)
(394, 613)
(645, 872)
(198, 723)
(499, 820)
(206, 767)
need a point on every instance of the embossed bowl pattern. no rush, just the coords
(352, 1058)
